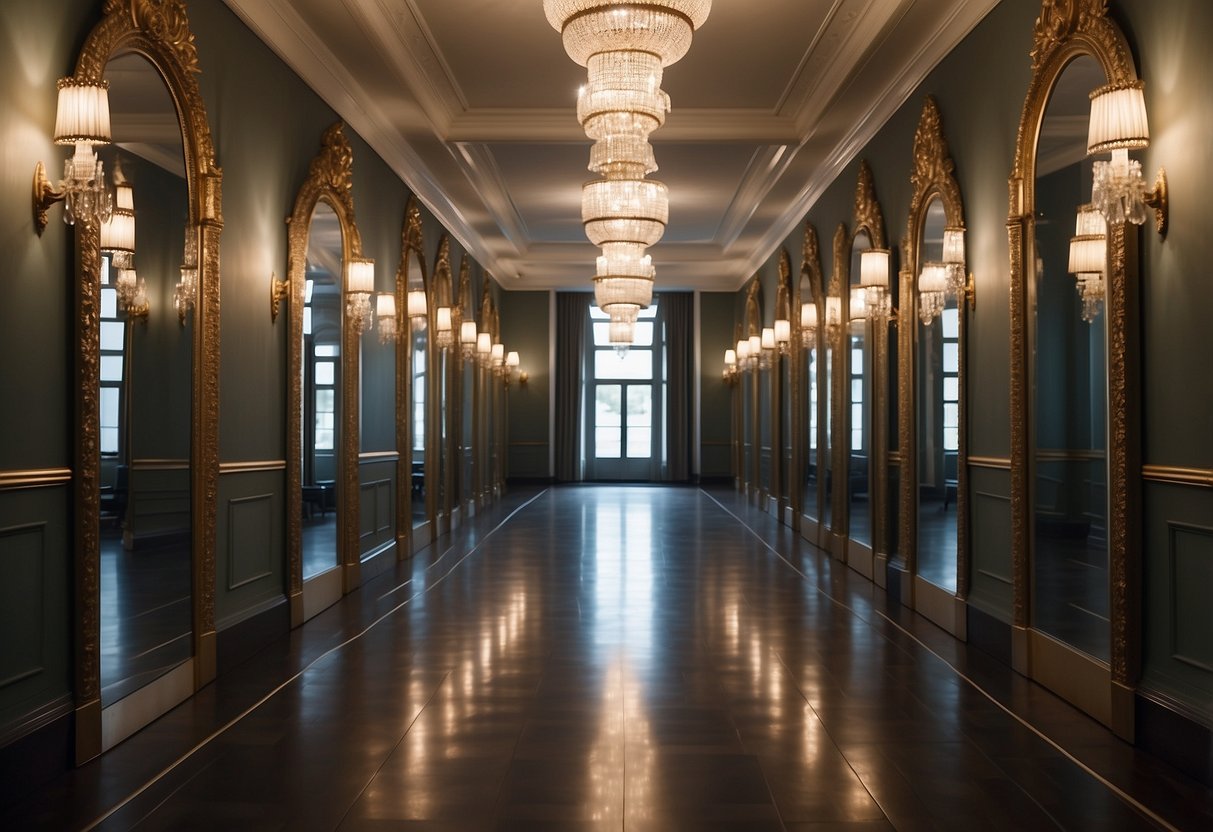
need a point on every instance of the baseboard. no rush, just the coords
(988, 634)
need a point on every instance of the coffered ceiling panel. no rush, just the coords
(472, 103)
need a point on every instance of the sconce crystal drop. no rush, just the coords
(385, 316)
(932, 291)
(359, 284)
(808, 324)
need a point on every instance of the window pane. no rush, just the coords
(111, 368)
(598, 315)
(607, 443)
(109, 407)
(109, 303)
(642, 334)
(326, 350)
(324, 401)
(324, 440)
(112, 333)
(856, 362)
(951, 439)
(640, 442)
(602, 334)
(857, 390)
(109, 440)
(633, 364)
(324, 421)
(951, 323)
(951, 389)
(640, 408)
(951, 415)
(651, 312)
(307, 320)
(607, 406)
(324, 372)
(951, 357)
(857, 439)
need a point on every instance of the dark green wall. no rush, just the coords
(525, 328)
(715, 398)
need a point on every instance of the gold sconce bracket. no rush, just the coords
(1157, 199)
(140, 312)
(45, 196)
(523, 378)
(970, 291)
(279, 291)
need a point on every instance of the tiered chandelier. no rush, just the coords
(625, 47)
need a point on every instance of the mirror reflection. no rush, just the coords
(859, 387)
(322, 314)
(420, 353)
(825, 390)
(809, 490)
(937, 400)
(1070, 547)
(145, 394)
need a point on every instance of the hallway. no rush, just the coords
(619, 657)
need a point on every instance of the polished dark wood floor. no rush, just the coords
(637, 658)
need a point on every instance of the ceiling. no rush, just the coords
(472, 103)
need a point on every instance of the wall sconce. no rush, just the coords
(874, 279)
(767, 353)
(730, 372)
(359, 284)
(418, 309)
(932, 291)
(82, 118)
(511, 364)
(279, 291)
(118, 231)
(497, 359)
(467, 340)
(754, 352)
(859, 303)
(132, 294)
(186, 293)
(808, 325)
(484, 348)
(743, 355)
(783, 336)
(444, 333)
(1118, 124)
(833, 316)
(1089, 259)
(385, 315)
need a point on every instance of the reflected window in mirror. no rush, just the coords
(859, 389)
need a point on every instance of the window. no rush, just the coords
(857, 393)
(624, 395)
(326, 376)
(812, 402)
(113, 350)
(420, 343)
(951, 379)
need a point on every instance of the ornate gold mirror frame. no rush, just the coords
(410, 248)
(490, 402)
(438, 460)
(329, 179)
(753, 326)
(932, 178)
(463, 441)
(159, 31)
(810, 270)
(867, 219)
(1063, 32)
(781, 473)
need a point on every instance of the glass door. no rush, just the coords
(623, 397)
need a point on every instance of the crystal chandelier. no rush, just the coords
(625, 48)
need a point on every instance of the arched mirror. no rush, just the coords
(415, 279)
(814, 384)
(1074, 544)
(409, 472)
(323, 435)
(860, 443)
(781, 389)
(466, 385)
(445, 321)
(490, 403)
(934, 496)
(146, 312)
(751, 382)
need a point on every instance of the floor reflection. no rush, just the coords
(623, 658)
(319, 538)
(937, 542)
(145, 614)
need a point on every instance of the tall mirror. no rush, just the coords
(147, 354)
(1075, 435)
(1070, 540)
(781, 398)
(811, 297)
(444, 321)
(413, 275)
(938, 292)
(323, 436)
(145, 389)
(467, 385)
(410, 473)
(860, 392)
(320, 436)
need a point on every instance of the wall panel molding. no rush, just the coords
(34, 478)
(1190, 554)
(22, 592)
(1174, 475)
(252, 467)
(250, 537)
